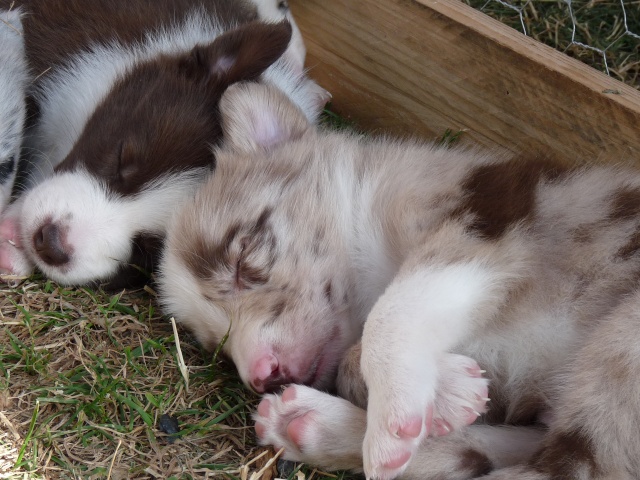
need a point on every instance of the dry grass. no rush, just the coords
(84, 378)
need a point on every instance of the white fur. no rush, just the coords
(13, 84)
(276, 10)
(419, 317)
(76, 200)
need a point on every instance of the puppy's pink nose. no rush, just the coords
(264, 367)
(266, 374)
(49, 244)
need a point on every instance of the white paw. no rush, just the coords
(462, 394)
(402, 391)
(411, 405)
(13, 260)
(313, 427)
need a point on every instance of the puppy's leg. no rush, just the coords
(400, 356)
(461, 390)
(595, 432)
(445, 292)
(319, 429)
(313, 427)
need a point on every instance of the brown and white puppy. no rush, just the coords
(306, 242)
(126, 104)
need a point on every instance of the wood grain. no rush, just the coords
(419, 67)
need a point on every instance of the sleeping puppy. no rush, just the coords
(399, 262)
(126, 98)
(13, 85)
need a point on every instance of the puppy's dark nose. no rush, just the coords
(49, 244)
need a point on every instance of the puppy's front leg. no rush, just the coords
(425, 312)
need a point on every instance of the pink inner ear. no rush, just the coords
(267, 131)
(223, 65)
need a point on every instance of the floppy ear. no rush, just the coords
(257, 117)
(240, 54)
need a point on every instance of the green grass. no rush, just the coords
(331, 120)
(84, 377)
(598, 24)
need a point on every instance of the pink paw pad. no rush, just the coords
(289, 394)
(261, 430)
(264, 408)
(411, 429)
(296, 428)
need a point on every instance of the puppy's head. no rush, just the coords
(142, 151)
(255, 253)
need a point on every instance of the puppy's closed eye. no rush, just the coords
(254, 261)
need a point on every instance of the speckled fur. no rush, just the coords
(306, 242)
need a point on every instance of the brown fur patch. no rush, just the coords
(106, 21)
(631, 247)
(625, 204)
(162, 116)
(477, 463)
(202, 258)
(277, 309)
(500, 195)
(497, 408)
(259, 237)
(525, 410)
(327, 291)
(563, 454)
(584, 233)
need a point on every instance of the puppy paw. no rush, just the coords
(462, 394)
(415, 403)
(399, 416)
(313, 427)
(389, 445)
(13, 260)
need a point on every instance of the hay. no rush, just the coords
(84, 377)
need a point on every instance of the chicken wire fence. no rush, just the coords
(602, 33)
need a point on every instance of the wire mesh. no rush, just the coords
(602, 33)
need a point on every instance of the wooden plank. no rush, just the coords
(419, 67)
